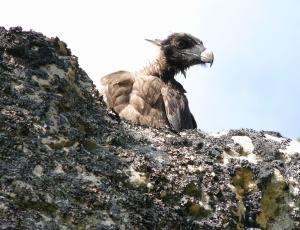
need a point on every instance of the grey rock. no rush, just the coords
(66, 162)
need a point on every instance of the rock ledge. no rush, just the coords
(68, 163)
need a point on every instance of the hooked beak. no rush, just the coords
(207, 56)
(201, 55)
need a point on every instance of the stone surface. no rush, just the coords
(68, 163)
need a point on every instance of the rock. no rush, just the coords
(68, 163)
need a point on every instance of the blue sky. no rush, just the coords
(255, 79)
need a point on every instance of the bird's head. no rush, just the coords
(182, 50)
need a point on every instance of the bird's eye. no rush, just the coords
(183, 44)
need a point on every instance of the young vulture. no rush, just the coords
(152, 96)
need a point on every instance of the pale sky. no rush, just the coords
(254, 82)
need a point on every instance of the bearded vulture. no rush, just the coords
(152, 96)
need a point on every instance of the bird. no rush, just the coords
(151, 96)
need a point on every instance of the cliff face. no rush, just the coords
(68, 163)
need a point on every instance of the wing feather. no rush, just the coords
(177, 109)
(116, 89)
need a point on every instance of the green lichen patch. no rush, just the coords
(41, 206)
(196, 210)
(71, 74)
(90, 144)
(65, 107)
(60, 47)
(60, 144)
(243, 182)
(272, 196)
(193, 189)
(170, 198)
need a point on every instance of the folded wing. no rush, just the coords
(177, 109)
(116, 89)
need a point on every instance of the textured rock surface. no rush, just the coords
(68, 163)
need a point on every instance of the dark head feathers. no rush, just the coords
(182, 50)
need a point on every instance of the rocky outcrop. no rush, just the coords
(68, 163)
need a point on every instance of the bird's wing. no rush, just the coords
(116, 89)
(177, 109)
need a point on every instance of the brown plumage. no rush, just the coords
(152, 96)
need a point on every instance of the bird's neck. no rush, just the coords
(160, 68)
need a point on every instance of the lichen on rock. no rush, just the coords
(66, 162)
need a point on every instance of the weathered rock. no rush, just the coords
(68, 163)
